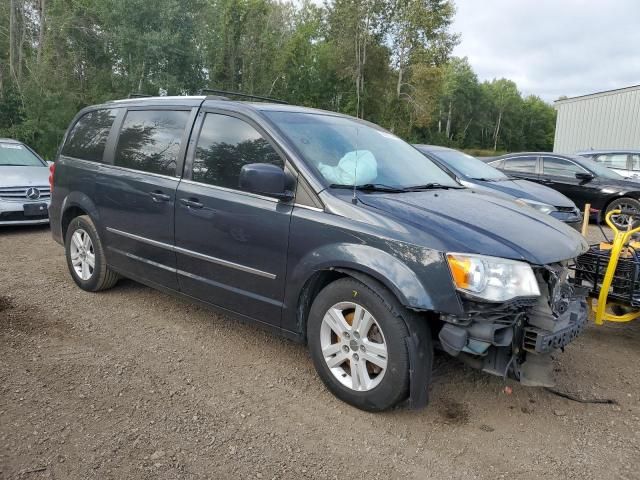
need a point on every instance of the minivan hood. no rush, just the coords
(468, 222)
(528, 190)
(24, 176)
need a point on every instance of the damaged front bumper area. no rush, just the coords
(515, 338)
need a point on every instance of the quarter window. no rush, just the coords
(521, 164)
(88, 137)
(635, 161)
(225, 145)
(150, 140)
(559, 167)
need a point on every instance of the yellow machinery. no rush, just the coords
(611, 271)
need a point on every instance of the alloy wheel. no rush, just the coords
(83, 258)
(353, 346)
(622, 220)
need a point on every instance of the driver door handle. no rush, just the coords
(191, 203)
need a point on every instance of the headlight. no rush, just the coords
(541, 207)
(490, 278)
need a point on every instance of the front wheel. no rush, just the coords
(357, 339)
(621, 221)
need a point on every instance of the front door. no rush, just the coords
(136, 196)
(560, 174)
(231, 245)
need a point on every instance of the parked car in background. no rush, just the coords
(581, 179)
(476, 174)
(24, 185)
(323, 227)
(624, 162)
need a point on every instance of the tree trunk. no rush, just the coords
(440, 120)
(448, 131)
(466, 127)
(41, 30)
(141, 78)
(12, 40)
(23, 33)
(495, 137)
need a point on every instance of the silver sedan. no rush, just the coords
(24, 185)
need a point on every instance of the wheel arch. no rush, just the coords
(635, 195)
(366, 264)
(74, 205)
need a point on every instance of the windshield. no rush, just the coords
(597, 168)
(468, 166)
(16, 155)
(346, 152)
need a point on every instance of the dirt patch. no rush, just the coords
(454, 413)
(132, 383)
(5, 303)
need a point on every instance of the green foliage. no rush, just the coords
(388, 61)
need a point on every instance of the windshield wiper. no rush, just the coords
(432, 186)
(370, 187)
(482, 179)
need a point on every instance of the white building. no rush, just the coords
(603, 120)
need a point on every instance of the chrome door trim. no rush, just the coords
(191, 253)
(231, 190)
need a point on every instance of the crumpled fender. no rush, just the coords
(388, 269)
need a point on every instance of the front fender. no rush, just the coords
(436, 294)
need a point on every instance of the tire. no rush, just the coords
(625, 203)
(374, 388)
(99, 277)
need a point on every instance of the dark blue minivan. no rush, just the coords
(328, 229)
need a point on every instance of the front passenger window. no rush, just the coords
(559, 167)
(225, 145)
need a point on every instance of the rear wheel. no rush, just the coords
(621, 221)
(85, 256)
(357, 342)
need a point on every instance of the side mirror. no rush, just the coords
(264, 179)
(585, 176)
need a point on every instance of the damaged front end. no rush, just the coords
(516, 337)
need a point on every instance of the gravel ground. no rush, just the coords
(132, 383)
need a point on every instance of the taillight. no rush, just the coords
(52, 171)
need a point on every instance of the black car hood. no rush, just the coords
(526, 189)
(467, 222)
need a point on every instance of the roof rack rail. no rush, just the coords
(139, 95)
(242, 95)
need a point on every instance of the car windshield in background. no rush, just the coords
(599, 169)
(16, 155)
(347, 152)
(469, 166)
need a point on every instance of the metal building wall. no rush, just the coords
(601, 120)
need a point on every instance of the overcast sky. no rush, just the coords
(552, 48)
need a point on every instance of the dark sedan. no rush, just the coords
(581, 179)
(476, 174)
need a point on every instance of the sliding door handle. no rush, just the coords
(158, 196)
(191, 203)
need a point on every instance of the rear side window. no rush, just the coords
(225, 145)
(88, 137)
(150, 140)
(635, 161)
(521, 164)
